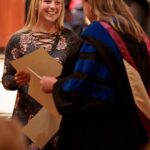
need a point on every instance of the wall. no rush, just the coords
(12, 14)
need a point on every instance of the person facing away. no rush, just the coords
(43, 28)
(11, 137)
(97, 103)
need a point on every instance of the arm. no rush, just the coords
(8, 79)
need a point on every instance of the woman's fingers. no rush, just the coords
(22, 78)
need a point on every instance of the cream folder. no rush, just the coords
(46, 122)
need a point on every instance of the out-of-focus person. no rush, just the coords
(11, 136)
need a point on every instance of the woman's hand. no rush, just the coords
(22, 78)
(47, 83)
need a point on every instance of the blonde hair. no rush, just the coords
(33, 16)
(11, 137)
(118, 14)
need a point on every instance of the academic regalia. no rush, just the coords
(96, 101)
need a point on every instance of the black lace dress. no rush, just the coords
(59, 45)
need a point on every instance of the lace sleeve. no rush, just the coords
(9, 72)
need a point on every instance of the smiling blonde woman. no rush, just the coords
(43, 28)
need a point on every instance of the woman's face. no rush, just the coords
(49, 10)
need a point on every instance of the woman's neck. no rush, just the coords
(45, 28)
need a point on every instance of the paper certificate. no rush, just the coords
(45, 124)
(39, 61)
(35, 91)
(42, 127)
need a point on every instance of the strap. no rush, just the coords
(119, 42)
(147, 41)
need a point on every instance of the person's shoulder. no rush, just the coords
(67, 31)
(69, 34)
(94, 29)
(72, 39)
(17, 35)
(15, 38)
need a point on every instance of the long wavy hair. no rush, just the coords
(33, 16)
(118, 14)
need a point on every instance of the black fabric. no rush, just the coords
(123, 87)
(88, 124)
(138, 52)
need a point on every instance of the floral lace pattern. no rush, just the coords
(62, 44)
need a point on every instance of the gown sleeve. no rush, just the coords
(80, 97)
